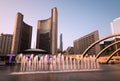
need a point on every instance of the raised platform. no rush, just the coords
(66, 71)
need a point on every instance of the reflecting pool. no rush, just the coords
(109, 72)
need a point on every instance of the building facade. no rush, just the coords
(70, 50)
(115, 26)
(82, 43)
(47, 33)
(5, 44)
(22, 35)
(112, 48)
(109, 50)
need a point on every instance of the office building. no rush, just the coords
(5, 44)
(70, 50)
(82, 43)
(115, 26)
(22, 35)
(47, 33)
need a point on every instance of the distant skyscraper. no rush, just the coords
(5, 43)
(61, 43)
(82, 43)
(47, 33)
(22, 35)
(115, 26)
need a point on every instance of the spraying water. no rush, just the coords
(59, 63)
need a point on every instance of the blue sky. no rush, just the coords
(76, 18)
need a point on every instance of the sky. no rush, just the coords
(76, 18)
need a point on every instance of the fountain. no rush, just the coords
(55, 64)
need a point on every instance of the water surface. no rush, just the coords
(109, 73)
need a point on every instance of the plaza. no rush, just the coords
(59, 40)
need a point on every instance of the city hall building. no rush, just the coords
(47, 33)
(22, 35)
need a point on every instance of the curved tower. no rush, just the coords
(47, 33)
(22, 35)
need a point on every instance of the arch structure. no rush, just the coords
(112, 55)
(98, 55)
(98, 41)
